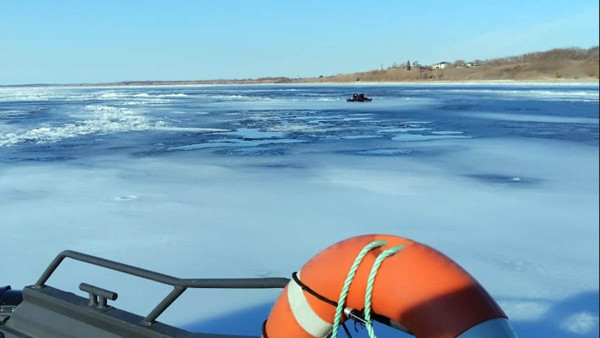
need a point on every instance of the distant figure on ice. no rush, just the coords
(359, 98)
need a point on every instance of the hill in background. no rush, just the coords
(565, 64)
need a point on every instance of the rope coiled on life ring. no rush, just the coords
(439, 300)
(369, 288)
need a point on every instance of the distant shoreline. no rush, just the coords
(571, 65)
(313, 81)
(586, 81)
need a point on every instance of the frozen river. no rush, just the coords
(252, 181)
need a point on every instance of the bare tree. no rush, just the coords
(459, 63)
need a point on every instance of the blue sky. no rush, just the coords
(101, 41)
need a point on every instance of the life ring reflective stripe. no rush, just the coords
(419, 288)
(303, 313)
(293, 315)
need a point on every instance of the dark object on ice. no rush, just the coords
(359, 98)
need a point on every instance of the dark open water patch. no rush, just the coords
(516, 180)
(252, 151)
(36, 159)
(278, 166)
(384, 152)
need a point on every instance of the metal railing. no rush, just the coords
(179, 284)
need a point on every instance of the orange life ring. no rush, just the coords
(419, 287)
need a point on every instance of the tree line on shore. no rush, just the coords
(553, 65)
(561, 64)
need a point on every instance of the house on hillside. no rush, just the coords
(441, 65)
